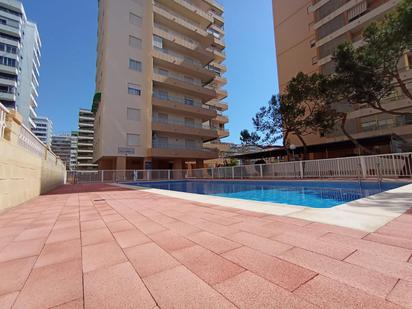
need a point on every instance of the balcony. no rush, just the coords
(8, 82)
(186, 8)
(171, 60)
(182, 128)
(176, 21)
(164, 150)
(219, 55)
(8, 96)
(223, 133)
(172, 83)
(222, 119)
(8, 69)
(220, 93)
(174, 104)
(215, 4)
(218, 105)
(184, 44)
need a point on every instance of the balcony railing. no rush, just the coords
(180, 57)
(3, 112)
(177, 76)
(179, 100)
(182, 123)
(163, 145)
(183, 18)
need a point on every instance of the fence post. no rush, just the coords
(233, 172)
(301, 169)
(395, 172)
(168, 174)
(102, 177)
(320, 176)
(363, 167)
(261, 171)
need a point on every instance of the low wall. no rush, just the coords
(27, 167)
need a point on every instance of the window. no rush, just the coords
(163, 117)
(135, 19)
(163, 72)
(189, 101)
(161, 94)
(157, 42)
(133, 139)
(133, 114)
(135, 65)
(135, 42)
(189, 80)
(134, 89)
(189, 122)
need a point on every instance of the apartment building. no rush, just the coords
(307, 33)
(19, 60)
(43, 129)
(85, 141)
(65, 147)
(160, 73)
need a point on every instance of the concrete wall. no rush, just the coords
(27, 167)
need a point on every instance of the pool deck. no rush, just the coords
(102, 246)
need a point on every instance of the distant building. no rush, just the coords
(159, 83)
(19, 60)
(85, 141)
(307, 33)
(43, 129)
(65, 147)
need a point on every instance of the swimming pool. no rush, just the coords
(315, 194)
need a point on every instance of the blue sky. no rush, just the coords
(69, 52)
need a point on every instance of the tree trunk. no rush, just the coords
(350, 137)
(305, 147)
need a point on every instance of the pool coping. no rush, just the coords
(366, 214)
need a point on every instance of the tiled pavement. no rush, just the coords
(111, 248)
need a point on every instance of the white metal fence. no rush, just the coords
(378, 166)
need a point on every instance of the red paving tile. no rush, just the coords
(117, 286)
(214, 243)
(93, 237)
(171, 241)
(7, 300)
(210, 267)
(390, 240)
(102, 255)
(180, 288)
(282, 273)
(75, 304)
(13, 274)
(52, 285)
(130, 238)
(369, 281)
(248, 290)
(21, 249)
(401, 294)
(314, 244)
(328, 293)
(396, 253)
(192, 255)
(268, 246)
(149, 259)
(59, 252)
(389, 267)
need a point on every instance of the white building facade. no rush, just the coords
(43, 129)
(19, 60)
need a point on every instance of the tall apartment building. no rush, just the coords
(307, 33)
(19, 60)
(65, 147)
(43, 129)
(159, 83)
(85, 141)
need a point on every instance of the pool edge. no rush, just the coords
(367, 214)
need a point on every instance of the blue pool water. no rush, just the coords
(316, 194)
